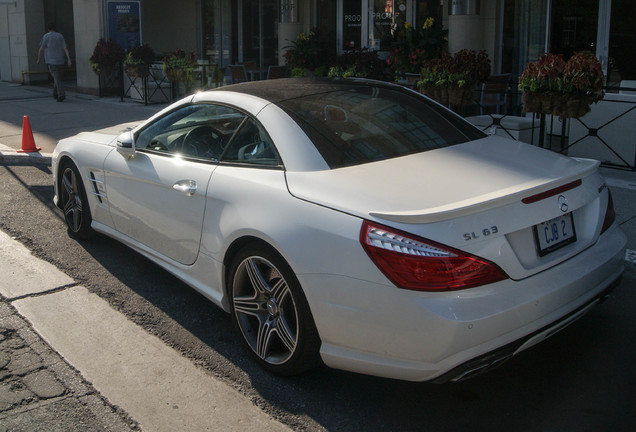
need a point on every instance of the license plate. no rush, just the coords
(554, 234)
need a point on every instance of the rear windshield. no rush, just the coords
(364, 124)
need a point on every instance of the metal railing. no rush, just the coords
(615, 135)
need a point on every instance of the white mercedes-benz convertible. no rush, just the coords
(352, 223)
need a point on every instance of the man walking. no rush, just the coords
(54, 48)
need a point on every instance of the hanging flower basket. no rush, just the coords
(427, 88)
(138, 61)
(460, 96)
(451, 79)
(179, 64)
(552, 86)
(440, 94)
(577, 106)
(138, 70)
(107, 56)
(105, 71)
(531, 102)
(175, 74)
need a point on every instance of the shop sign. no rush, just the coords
(124, 23)
(351, 24)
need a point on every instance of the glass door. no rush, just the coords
(241, 31)
(258, 32)
(620, 52)
(217, 31)
(351, 19)
(524, 33)
(368, 23)
(574, 26)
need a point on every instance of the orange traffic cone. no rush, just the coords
(28, 143)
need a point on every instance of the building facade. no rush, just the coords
(225, 32)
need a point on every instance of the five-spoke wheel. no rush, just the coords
(271, 312)
(74, 203)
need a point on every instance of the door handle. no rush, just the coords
(188, 187)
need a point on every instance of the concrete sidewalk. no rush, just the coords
(154, 387)
(51, 120)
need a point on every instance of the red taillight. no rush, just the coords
(610, 214)
(418, 264)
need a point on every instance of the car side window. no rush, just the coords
(196, 131)
(251, 145)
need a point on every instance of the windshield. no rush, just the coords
(365, 124)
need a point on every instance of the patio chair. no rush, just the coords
(274, 72)
(494, 93)
(239, 73)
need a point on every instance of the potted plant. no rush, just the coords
(451, 79)
(583, 83)
(467, 69)
(552, 86)
(138, 60)
(541, 83)
(411, 47)
(362, 63)
(178, 65)
(106, 57)
(306, 52)
(434, 76)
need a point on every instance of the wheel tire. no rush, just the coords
(271, 312)
(74, 203)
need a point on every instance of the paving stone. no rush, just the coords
(44, 384)
(24, 361)
(39, 392)
(5, 358)
(13, 393)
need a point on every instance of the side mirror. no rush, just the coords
(126, 144)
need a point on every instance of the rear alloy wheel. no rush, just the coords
(74, 203)
(271, 312)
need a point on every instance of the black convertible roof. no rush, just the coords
(278, 90)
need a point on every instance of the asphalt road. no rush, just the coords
(581, 379)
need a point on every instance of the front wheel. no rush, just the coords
(74, 203)
(271, 312)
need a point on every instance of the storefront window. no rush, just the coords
(217, 30)
(259, 23)
(351, 24)
(382, 15)
(622, 43)
(530, 38)
(428, 9)
(241, 31)
(574, 26)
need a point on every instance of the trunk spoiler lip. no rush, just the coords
(483, 202)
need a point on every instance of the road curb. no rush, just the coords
(133, 369)
(12, 156)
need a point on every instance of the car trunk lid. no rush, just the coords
(485, 197)
(440, 184)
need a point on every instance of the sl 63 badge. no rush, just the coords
(483, 233)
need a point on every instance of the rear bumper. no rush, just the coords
(496, 358)
(385, 331)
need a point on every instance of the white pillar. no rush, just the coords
(88, 18)
(287, 33)
(465, 32)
